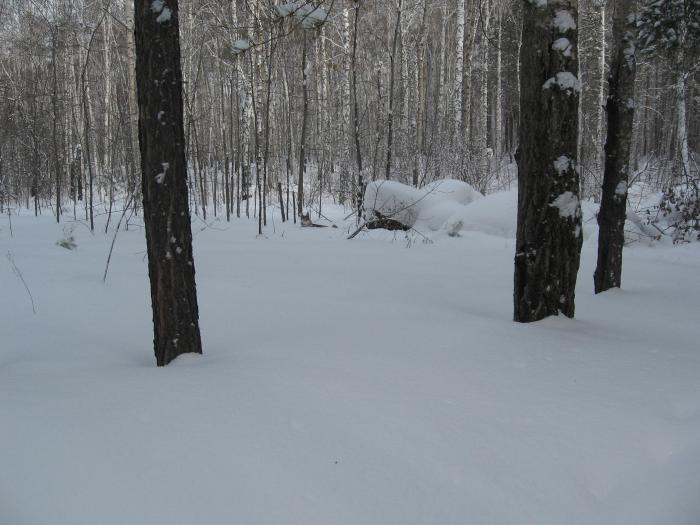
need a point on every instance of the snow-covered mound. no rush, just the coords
(451, 206)
(430, 206)
(392, 200)
(496, 214)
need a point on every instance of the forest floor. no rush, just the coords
(378, 380)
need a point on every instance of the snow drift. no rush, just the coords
(393, 388)
(430, 206)
(451, 206)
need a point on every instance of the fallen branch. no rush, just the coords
(306, 222)
(382, 222)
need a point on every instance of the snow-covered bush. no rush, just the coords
(309, 15)
(680, 208)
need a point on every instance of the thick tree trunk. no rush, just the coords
(620, 111)
(549, 237)
(164, 180)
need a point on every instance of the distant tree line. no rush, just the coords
(412, 91)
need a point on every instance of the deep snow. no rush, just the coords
(372, 381)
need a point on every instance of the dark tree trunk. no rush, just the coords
(356, 116)
(620, 110)
(549, 237)
(164, 180)
(279, 194)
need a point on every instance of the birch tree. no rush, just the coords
(459, 67)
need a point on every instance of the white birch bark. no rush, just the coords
(421, 96)
(459, 63)
(479, 128)
(498, 97)
(131, 79)
(346, 103)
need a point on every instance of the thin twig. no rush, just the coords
(322, 215)
(116, 231)
(358, 230)
(18, 273)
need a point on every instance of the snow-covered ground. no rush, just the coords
(372, 381)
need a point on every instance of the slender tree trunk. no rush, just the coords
(356, 114)
(131, 79)
(56, 147)
(256, 142)
(440, 90)
(549, 237)
(106, 113)
(347, 105)
(87, 134)
(475, 10)
(390, 116)
(378, 125)
(498, 96)
(164, 181)
(480, 95)
(620, 112)
(459, 67)
(266, 158)
(302, 136)
(682, 121)
(421, 96)
(591, 50)
(224, 123)
(279, 194)
(290, 141)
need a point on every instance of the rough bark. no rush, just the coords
(164, 180)
(620, 113)
(549, 238)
